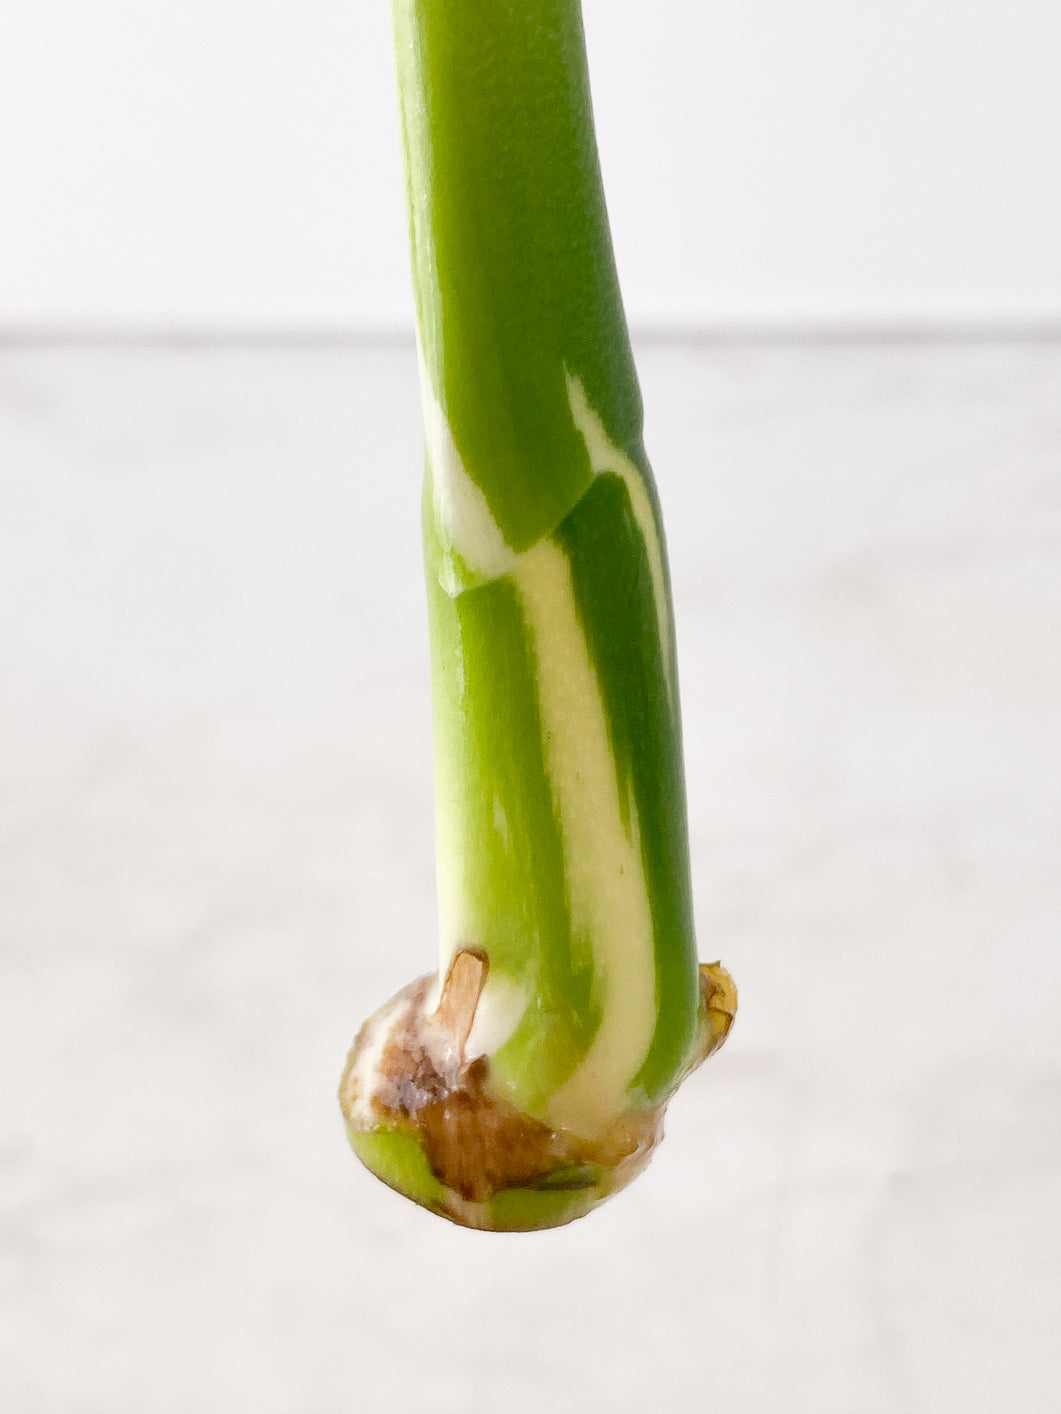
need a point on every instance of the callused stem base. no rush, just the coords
(420, 1113)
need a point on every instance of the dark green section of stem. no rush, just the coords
(614, 592)
(514, 272)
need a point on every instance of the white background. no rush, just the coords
(215, 769)
(234, 164)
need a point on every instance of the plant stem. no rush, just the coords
(529, 1080)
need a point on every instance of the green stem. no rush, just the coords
(571, 1004)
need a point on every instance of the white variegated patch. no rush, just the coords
(501, 1006)
(467, 527)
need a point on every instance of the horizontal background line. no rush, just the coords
(309, 335)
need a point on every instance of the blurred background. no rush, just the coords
(839, 234)
(235, 166)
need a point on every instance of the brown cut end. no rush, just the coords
(477, 1144)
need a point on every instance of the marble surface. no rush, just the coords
(216, 858)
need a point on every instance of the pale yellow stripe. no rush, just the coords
(602, 859)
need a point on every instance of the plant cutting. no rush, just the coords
(526, 1080)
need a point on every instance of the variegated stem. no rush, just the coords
(568, 974)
